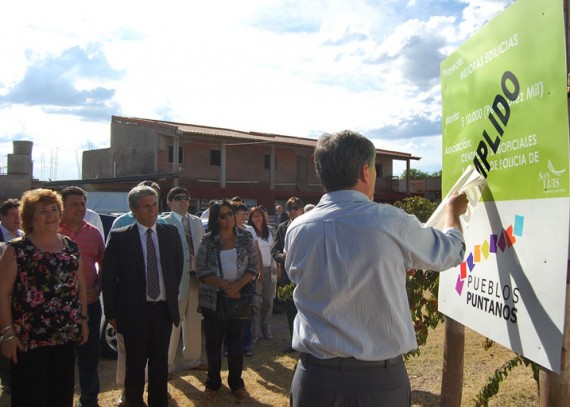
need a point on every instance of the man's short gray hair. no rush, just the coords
(139, 192)
(339, 157)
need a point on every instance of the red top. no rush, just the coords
(91, 248)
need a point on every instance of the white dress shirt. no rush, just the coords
(142, 233)
(8, 235)
(348, 257)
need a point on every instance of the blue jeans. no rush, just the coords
(88, 359)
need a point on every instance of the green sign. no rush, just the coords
(504, 99)
(505, 113)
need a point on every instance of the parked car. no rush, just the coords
(107, 333)
(204, 218)
(107, 220)
(108, 339)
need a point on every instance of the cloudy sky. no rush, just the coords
(292, 67)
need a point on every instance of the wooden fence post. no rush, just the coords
(453, 357)
(555, 388)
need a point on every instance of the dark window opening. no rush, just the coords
(216, 157)
(171, 154)
(267, 163)
(378, 170)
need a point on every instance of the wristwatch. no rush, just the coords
(85, 318)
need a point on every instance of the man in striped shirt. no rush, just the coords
(348, 257)
(91, 249)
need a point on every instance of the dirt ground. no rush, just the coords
(268, 375)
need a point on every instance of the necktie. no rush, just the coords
(188, 233)
(152, 284)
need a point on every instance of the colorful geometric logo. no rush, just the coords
(481, 252)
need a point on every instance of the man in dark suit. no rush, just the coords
(142, 268)
(294, 209)
(282, 215)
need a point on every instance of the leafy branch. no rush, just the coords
(493, 383)
(491, 388)
(285, 292)
(422, 285)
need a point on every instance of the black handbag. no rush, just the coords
(234, 308)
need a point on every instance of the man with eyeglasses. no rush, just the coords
(294, 209)
(191, 231)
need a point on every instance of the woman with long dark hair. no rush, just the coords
(226, 264)
(267, 281)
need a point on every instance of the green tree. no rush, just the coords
(415, 174)
(422, 285)
(415, 205)
(419, 174)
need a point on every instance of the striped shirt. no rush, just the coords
(91, 248)
(348, 257)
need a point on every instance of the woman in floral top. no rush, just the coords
(42, 305)
(236, 251)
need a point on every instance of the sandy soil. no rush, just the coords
(268, 376)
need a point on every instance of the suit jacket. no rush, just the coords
(124, 274)
(284, 217)
(278, 247)
(279, 243)
(197, 231)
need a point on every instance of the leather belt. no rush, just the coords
(349, 362)
(154, 303)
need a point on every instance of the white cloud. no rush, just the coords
(285, 66)
(478, 13)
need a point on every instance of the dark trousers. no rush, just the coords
(88, 359)
(148, 343)
(247, 336)
(5, 374)
(291, 310)
(347, 382)
(44, 377)
(215, 330)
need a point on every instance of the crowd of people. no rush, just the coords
(162, 279)
(54, 266)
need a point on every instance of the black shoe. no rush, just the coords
(289, 350)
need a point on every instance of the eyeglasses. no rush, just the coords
(225, 215)
(181, 198)
(292, 208)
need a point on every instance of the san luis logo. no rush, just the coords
(551, 179)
